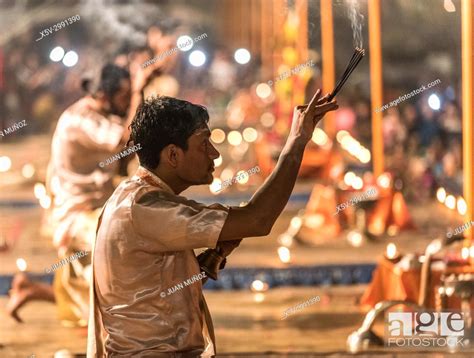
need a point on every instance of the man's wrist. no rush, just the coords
(137, 92)
(300, 142)
(295, 143)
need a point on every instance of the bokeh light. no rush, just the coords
(21, 264)
(355, 238)
(384, 180)
(197, 58)
(218, 161)
(39, 190)
(267, 119)
(242, 56)
(250, 134)
(391, 251)
(263, 90)
(284, 254)
(56, 54)
(441, 195)
(234, 138)
(259, 286)
(28, 170)
(185, 43)
(285, 240)
(349, 178)
(434, 102)
(227, 174)
(215, 186)
(218, 136)
(319, 137)
(450, 202)
(70, 59)
(5, 164)
(462, 206)
(357, 183)
(45, 202)
(340, 135)
(242, 177)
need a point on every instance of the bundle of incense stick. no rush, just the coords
(356, 57)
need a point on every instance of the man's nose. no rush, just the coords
(213, 152)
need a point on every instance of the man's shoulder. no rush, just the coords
(148, 194)
(83, 110)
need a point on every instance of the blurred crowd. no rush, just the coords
(422, 145)
(36, 89)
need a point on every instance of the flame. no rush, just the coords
(284, 254)
(285, 240)
(21, 264)
(259, 286)
(39, 190)
(391, 251)
(45, 202)
(355, 239)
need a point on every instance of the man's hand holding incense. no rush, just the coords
(306, 117)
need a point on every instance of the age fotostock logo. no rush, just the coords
(425, 329)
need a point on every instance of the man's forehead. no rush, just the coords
(202, 132)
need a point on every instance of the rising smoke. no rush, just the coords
(357, 20)
(119, 21)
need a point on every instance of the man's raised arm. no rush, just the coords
(259, 215)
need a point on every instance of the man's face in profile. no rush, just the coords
(120, 102)
(197, 163)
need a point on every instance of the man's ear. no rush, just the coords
(171, 155)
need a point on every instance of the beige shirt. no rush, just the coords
(144, 247)
(83, 138)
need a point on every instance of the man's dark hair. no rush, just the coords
(110, 77)
(161, 121)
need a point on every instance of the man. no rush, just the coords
(87, 133)
(147, 232)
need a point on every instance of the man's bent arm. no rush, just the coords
(257, 218)
(259, 215)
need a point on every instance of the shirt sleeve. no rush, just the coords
(167, 222)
